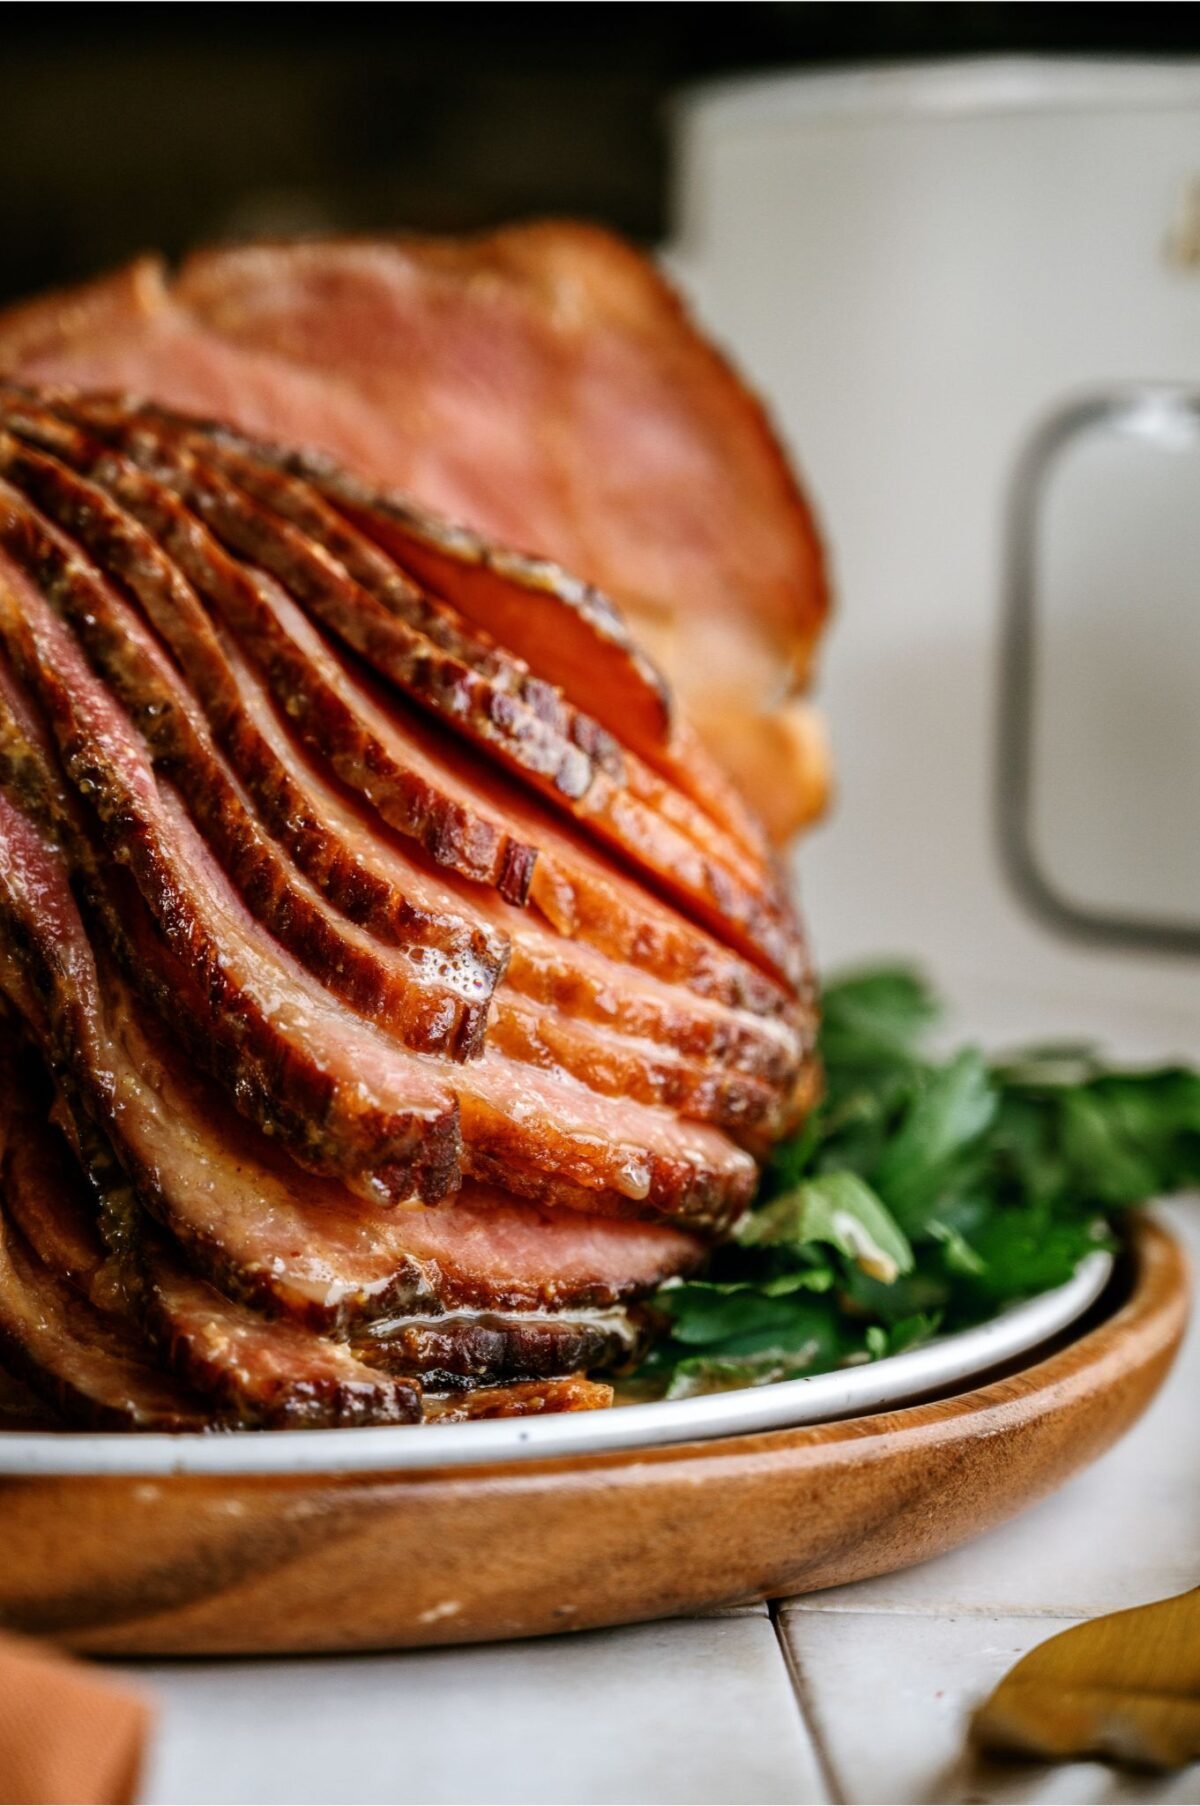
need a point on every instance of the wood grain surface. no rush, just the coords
(204, 1566)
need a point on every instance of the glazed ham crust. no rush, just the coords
(407, 1026)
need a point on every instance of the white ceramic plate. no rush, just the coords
(880, 1386)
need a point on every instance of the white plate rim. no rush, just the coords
(849, 1392)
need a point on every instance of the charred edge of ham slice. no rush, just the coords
(450, 688)
(496, 587)
(402, 770)
(274, 478)
(310, 573)
(407, 789)
(460, 1351)
(630, 413)
(526, 594)
(275, 1374)
(391, 904)
(431, 1001)
(711, 879)
(263, 474)
(532, 1398)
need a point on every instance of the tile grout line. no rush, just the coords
(957, 1609)
(834, 1792)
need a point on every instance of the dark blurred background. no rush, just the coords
(128, 127)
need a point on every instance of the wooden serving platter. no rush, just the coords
(275, 1563)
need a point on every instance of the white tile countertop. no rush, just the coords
(859, 1694)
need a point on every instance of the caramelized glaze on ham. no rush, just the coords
(392, 1074)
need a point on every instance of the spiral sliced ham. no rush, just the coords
(400, 1025)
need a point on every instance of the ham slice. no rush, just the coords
(468, 1263)
(629, 451)
(117, 542)
(467, 1350)
(268, 1375)
(629, 1067)
(616, 780)
(288, 1242)
(369, 875)
(415, 1002)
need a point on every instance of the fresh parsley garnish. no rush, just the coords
(922, 1195)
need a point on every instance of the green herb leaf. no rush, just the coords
(922, 1195)
(839, 1209)
(877, 1017)
(932, 1152)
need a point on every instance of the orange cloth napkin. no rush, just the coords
(67, 1734)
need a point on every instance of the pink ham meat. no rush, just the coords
(279, 1239)
(95, 1304)
(204, 1168)
(297, 1062)
(459, 811)
(385, 1082)
(433, 999)
(86, 1361)
(302, 493)
(299, 1065)
(404, 907)
(617, 800)
(674, 843)
(544, 385)
(365, 976)
(620, 1066)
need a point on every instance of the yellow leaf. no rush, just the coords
(1126, 1687)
